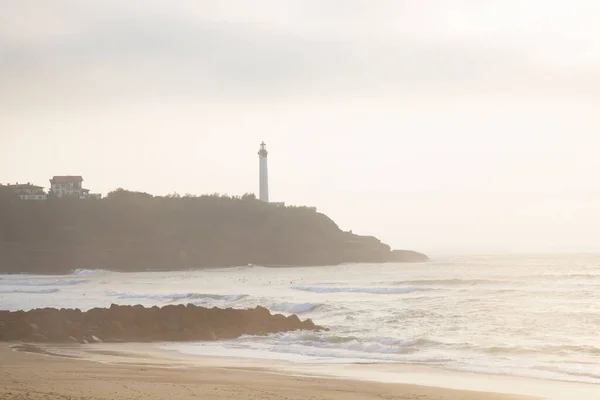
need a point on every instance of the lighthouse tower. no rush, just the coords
(263, 173)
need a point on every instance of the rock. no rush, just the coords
(72, 328)
(308, 324)
(114, 329)
(37, 337)
(19, 330)
(204, 334)
(407, 256)
(140, 324)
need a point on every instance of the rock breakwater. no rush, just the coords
(141, 324)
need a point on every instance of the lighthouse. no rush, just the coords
(263, 173)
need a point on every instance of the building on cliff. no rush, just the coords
(71, 186)
(263, 173)
(263, 177)
(28, 191)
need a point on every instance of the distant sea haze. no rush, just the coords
(515, 315)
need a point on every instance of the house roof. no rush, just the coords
(66, 179)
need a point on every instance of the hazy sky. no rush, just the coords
(437, 125)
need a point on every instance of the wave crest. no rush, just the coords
(448, 282)
(370, 290)
(195, 298)
(60, 282)
(333, 346)
(26, 291)
(88, 272)
(295, 308)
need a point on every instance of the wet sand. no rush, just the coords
(37, 372)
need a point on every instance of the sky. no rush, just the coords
(446, 126)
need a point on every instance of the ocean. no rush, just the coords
(529, 316)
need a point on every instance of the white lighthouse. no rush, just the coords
(263, 173)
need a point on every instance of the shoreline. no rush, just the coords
(125, 371)
(413, 376)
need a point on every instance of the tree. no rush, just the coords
(249, 196)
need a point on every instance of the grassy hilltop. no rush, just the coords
(133, 231)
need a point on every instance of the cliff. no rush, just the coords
(140, 324)
(131, 231)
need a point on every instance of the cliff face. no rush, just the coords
(130, 231)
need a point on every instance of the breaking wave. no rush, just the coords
(199, 298)
(330, 347)
(371, 290)
(556, 350)
(447, 282)
(25, 291)
(87, 272)
(60, 282)
(295, 308)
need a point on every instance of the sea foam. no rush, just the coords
(295, 308)
(174, 297)
(41, 282)
(88, 272)
(371, 290)
(27, 291)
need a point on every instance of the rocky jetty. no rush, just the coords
(141, 324)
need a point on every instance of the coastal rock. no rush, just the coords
(407, 256)
(141, 324)
(19, 329)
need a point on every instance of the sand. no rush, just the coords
(39, 373)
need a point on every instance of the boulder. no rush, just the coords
(36, 337)
(19, 330)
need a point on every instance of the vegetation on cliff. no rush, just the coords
(132, 231)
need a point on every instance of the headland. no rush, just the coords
(133, 231)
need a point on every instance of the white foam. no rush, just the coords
(41, 282)
(6, 277)
(371, 290)
(26, 291)
(192, 297)
(292, 347)
(88, 272)
(295, 308)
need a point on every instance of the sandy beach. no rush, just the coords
(42, 374)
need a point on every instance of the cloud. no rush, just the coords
(70, 54)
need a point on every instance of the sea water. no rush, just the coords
(528, 316)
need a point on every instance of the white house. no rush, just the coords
(27, 191)
(63, 186)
